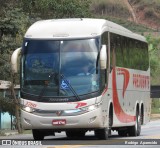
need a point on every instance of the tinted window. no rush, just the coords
(130, 53)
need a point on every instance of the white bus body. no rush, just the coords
(115, 96)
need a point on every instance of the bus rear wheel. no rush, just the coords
(136, 129)
(102, 134)
(37, 134)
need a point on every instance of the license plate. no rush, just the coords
(59, 122)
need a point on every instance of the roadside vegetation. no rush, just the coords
(114, 8)
(2, 133)
(156, 106)
(148, 12)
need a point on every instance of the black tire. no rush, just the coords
(136, 129)
(102, 134)
(73, 134)
(110, 121)
(142, 115)
(37, 134)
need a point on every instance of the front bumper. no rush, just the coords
(88, 120)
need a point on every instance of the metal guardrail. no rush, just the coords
(155, 91)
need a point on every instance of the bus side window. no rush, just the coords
(112, 51)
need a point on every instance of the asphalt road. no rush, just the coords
(150, 137)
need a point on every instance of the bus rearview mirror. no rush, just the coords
(14, 60)
(103, 57)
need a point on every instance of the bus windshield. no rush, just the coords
(44, 62)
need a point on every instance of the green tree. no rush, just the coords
(57, 8)
(7, 105)
(13, 22)
(154, 50)
(12, 26)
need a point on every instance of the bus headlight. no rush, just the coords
(70, 112)
(91, 108)
(79, 111)
(28, 109)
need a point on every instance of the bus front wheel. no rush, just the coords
(102, 134)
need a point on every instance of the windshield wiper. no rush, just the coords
(71, 88)
(53, 75)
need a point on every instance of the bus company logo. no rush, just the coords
(141, 81)
(58, 113)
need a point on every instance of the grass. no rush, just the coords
(145, 2)
(150, 2)
(2, 133)
(117, 11)
(151, 8)
(27, 132)
(155, 111)
(155, 106)
(110, 8)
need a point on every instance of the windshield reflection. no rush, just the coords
(75, 59)
(78, 64)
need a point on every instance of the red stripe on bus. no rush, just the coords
(78, 104)
(81, 104)
(121, 115)
(105, 90)
(126, 75)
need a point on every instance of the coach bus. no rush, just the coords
(80, 75)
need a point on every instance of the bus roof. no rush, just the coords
(76, 28)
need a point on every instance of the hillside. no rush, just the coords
(140, 13)
(141, 16)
